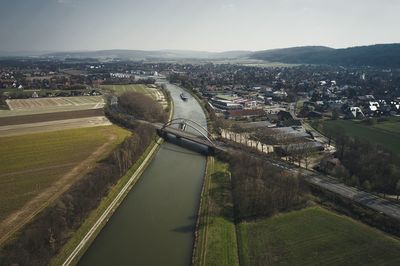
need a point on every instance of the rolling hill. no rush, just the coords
(382, 55)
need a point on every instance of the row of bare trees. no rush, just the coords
(142, 107)
(367, 164)
(260, 189)
(41, 239)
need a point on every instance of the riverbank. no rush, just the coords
(81, 240)
(200, 235)
(216, 241)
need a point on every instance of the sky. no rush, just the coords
(204, 25)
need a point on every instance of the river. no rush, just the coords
(155, 223)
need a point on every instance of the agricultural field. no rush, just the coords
(51, 104)
(217, 234)
(314, 236)
(385, 133)
(37, 168)
(46, 117)
(57, 125)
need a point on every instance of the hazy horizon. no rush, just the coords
(194, 25)
(179, 50)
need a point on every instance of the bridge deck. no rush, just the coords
(185, 135)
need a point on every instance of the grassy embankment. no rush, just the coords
(385, 133)
(314, 236)
(311, 236)
(31, 163)
(216, 243)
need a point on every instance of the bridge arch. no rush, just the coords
(194, 125)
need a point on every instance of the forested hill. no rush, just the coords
(382, 55)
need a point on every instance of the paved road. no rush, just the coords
(364, 198)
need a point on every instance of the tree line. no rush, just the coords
(142, 107)
(127, 81)
(260, 189)
(45, 235)
(3, 103)
(366, 164)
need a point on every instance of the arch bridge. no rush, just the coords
(178, 128)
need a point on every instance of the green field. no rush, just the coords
(314, 236)
(217, 234)
(392, 125)
(119, 89)
(32, 163)
(385, 133)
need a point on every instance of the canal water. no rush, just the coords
(155, 223)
